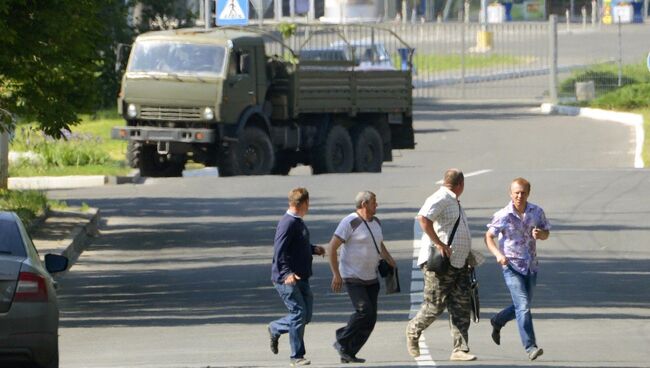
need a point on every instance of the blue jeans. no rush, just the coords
(521, 289)
(299, 301)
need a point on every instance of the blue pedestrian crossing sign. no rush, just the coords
(232, 12)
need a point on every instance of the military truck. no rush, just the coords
(243, 100)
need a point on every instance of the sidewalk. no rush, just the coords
(67, 232)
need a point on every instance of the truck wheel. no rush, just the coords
(154, 165)
(368, 150)
(133, 154)
(336, 154)
(252, 154)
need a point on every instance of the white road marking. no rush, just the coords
(473, 173)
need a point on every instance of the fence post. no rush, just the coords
(552, 56)
(463, 49)
(594, 10)
(620, 54)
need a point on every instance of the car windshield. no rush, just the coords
(10, 240)
(177, 58)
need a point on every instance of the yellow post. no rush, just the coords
(484, 40)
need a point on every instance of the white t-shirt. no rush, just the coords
(359, 257)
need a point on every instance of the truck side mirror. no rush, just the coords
(245, 63)
(121, 57)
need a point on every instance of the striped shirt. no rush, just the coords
(443, 208)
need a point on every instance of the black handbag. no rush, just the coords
(438, 262)
(384, 268)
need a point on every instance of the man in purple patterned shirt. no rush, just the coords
(517, 227)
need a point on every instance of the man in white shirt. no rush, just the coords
(437, 218)
(361, 241)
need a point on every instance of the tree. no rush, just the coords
(50, 59)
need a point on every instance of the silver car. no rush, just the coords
(29, 312)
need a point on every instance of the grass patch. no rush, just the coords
(646, 141)
(28, 204)
(605, 78)
(431, 63)
(632, 96)
(89, 149)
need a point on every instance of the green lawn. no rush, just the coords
(431, 63)
(95, 133)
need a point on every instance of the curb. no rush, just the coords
(84, 226)
(67, 182)
(627, 118)
(79, 237)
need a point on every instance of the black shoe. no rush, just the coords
(496, 332)
(273, 341)
(353, 360)
(345, 357)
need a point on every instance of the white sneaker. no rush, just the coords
(460, 355)
(533, 354)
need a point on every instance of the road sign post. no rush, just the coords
(232, 12)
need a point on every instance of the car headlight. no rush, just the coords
(131, 111)
(208, 114)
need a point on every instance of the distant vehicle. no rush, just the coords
(365, 54)
(369, 55)
(29, 312)
(244, 101)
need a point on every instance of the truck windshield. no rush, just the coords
(177, 58)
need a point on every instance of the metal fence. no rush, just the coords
(514, 61)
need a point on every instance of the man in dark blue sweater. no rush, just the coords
(290, 272)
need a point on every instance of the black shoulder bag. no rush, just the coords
(385, 269)
(438, 262)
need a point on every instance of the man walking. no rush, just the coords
(438, 216)
(362, 241)
(290, 272)
(518, 226)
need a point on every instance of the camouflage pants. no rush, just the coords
(449, 291)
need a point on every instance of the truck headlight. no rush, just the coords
(208, 114)
(131, 111)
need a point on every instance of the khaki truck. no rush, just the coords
(222, 97)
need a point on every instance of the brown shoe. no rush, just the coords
(413, 346)
(460, 355)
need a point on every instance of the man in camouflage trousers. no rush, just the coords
(437, 218)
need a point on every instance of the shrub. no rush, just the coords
(627, 98)
(605, 78)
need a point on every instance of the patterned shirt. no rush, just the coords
(443, 208)
(516, 240)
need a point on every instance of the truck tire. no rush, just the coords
(133, 154)
(155, 165)
(335, 154)
(252, 154)
(368, 150)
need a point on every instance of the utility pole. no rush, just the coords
(6, 125)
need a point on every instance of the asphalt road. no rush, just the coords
(180, 274)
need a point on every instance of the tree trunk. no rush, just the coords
(4, 159)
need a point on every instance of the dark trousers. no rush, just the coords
(362, 321)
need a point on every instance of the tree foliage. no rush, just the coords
(58, 56)
(49, 62)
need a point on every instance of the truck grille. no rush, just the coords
(170, 113)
